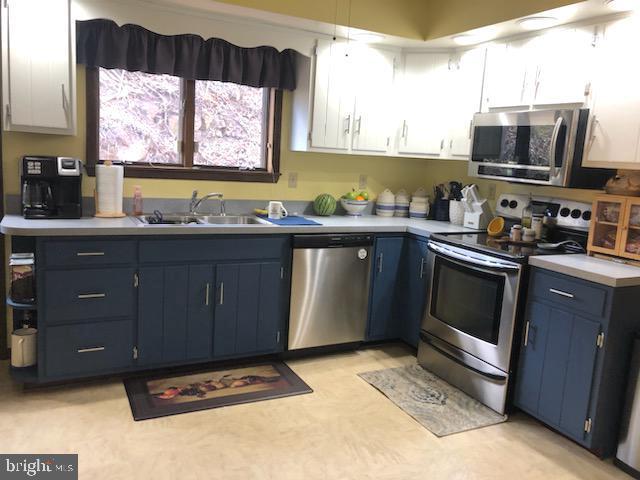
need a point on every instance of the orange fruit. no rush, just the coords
(360, 198)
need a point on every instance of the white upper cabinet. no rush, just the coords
(465, 96)
(38, 66)
(510, 75)
(333, 97)
(614, 133)
(565, 58)
(423, 105)
(373, 75)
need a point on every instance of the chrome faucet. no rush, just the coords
(195, 203)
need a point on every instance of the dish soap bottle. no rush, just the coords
(527, 214)
(137, 200)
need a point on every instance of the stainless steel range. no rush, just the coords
(476, 290)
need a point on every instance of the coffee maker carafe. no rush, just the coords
(51, 187)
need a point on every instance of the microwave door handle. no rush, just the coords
(472, 260)
(554, 145)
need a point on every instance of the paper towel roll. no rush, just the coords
(109, 185)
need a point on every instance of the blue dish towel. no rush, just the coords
(291, 220)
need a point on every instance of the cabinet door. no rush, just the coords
(383, 311)
(510, 74)
(607, 224)
(38, 78)
(423, 104)
(374, 71)
(630, 242)
(413, 294)
(248, 316)
(333, 96)
(565, 58)
(465, 99)
(615, 125)
(174, 319)
(532, 357)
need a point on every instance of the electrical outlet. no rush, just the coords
(492, 192)
(362, 182)
(293, 179)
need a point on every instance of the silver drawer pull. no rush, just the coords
(83, 296)
(221, 294)
(90, 254)
(561, 293)
(90, 349)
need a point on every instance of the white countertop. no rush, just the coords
(598, 270)
(90, 226)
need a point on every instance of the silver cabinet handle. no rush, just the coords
(380, 257)
(83, 296)
(221, 293)
(422, 267)
(526, 334)
(206, 293)
(441, 144)
(403, 133)
(347, 122)
(358, 123)
(90, 350)
(90, 254)
(561, 293)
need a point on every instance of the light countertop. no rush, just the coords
(598, 270)
(90, 226)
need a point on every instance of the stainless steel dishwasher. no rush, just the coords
(329, 289)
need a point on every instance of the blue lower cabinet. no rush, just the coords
(175, 313)
(412, 296)
(573, 356)
(384, 315)
(248, 311)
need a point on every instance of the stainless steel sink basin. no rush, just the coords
(188, 219)
(232, 220)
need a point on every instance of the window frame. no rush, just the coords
(271, 138)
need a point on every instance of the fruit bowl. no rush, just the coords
(354, 207)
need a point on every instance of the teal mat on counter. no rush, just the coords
(290, 220)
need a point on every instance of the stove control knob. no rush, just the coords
(586, 215)
(513, 204)
(504, 203)
(564, 212)
(576, 213)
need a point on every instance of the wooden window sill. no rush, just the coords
(205, 173)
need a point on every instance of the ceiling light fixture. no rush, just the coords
(537, 23)
(622, 5)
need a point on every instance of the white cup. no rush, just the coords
(276, 210)
(23, 347)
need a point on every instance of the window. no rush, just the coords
(166, 127)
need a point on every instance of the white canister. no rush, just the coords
(402, 204)
(456, 212)
(418, 209)
(420, 195)
(23, 347)
(385, 204)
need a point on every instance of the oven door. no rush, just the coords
(472, 302)
(529, 147)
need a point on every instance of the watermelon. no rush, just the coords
(324, 205)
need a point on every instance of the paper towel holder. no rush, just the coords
(108, 191)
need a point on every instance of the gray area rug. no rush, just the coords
(435, 404)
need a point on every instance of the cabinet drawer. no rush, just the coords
(213, 249)
(574, 295)
(77, 253)
(73, 295)
(89, 348)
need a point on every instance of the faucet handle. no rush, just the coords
(194, 195)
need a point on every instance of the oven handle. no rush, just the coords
(554, 145)
(456, 357)
(497, 266)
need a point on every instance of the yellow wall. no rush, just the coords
(317, 172)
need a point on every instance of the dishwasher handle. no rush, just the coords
(333, 241)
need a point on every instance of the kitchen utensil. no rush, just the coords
(558, 245)
(478, 213)
(455, 190)
(276, 210)
(23, 347)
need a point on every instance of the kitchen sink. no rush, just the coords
(189, 219)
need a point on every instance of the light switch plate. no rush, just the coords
(293, 179)
(362, 182)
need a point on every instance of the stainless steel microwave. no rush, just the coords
(542, 147)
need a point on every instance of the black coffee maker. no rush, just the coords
(51, 187)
